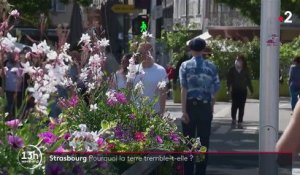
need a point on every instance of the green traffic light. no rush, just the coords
(143, 27)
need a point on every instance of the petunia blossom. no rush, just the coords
(13, 123)
(48, 137)
(67, 136)
(15, 141)
(139, 136)
(174, 137)
(100, 142)
(159, 140)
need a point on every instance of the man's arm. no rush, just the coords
(183, 99)
(290, 140)
(249, 82)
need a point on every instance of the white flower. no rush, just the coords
(27, 68)
(14, 13)
(65, 57)
(8, 43)
(82, 127)
(146, 36)
(52, 55)
(11, 38)
(139, 87)
(93, 107)
(91, 86)
(198, 141)
(44, 46)
(85, 38)
(73, 145)
(66, 47)
(36, 49)
(103, 42)
(162, 85)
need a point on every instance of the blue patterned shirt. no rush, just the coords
(200, 78)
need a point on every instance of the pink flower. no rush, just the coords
(174, 137)
(115, 98)
(15, 141)
(15, 13)
(112, 101)
(100, 141)
(159, 140)
(67, 136)
(48, 137)
(121, 98)
(13, 123)
(139, 136)
(60, 150)
(73, 101)
(51, 125)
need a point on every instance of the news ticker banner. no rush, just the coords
(120, 162)
(222, 161)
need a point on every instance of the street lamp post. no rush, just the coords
(269, 84)
(153, 25)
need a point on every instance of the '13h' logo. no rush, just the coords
(30, 157)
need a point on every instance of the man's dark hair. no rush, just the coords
(297, 60)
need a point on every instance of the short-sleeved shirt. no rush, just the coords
(200, 78)
(150, 79)
(294, 76)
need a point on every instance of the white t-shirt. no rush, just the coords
(150, 79)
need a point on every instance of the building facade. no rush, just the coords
(221, 20)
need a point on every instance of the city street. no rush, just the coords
(224, 138)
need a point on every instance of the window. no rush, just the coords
(58, 6)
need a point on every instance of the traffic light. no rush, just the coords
(140, 24)
(142, 4)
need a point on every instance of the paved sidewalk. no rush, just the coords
(226, 138)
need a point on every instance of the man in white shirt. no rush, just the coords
(152, 75)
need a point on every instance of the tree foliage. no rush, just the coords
(176, 42)
(31, 9)
(224, 52)
(251, 8)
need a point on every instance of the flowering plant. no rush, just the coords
(94, 116)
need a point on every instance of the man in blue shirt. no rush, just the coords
(199, 83)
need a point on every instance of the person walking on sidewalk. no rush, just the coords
(199, 80)
(294, 81)
(238, 79)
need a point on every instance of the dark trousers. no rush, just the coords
(200, 115)
(238, 103)
(294, 92)
(14, 102)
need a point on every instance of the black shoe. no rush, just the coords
(233, 124)
(240, 125)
